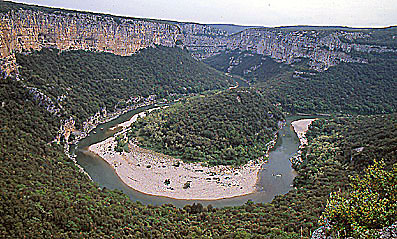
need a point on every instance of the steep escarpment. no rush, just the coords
(26, 29)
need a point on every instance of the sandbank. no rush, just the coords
(157, 174)
(300, 128)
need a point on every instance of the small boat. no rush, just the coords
(101, 128)
(94, 132)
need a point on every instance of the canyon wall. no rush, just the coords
(24, 30)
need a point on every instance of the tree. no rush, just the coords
(370, 204)
(186, 185)
(167, 181)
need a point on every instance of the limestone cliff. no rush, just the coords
(26, 30)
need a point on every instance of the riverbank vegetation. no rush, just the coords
(45, 195)
(230, 128)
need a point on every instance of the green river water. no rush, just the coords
(268, 186)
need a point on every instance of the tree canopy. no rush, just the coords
(230, 127)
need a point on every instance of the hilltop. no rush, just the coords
(230, 128)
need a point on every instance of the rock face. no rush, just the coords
(322, 48)
(26, 30)
(23, 30)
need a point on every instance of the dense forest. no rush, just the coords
(347, 88)
(364, 203)
(346, 181)
(45, 195)
(369, 204)
(230, 127)
(252, 66)
(84, 82)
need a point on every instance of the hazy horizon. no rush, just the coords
(267, 13)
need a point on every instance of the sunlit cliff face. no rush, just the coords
(29, 30)
(26, 30)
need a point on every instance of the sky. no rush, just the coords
(270, 13)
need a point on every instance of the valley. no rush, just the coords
(122, 127)
(268, 185)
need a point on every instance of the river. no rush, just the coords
(275, 178)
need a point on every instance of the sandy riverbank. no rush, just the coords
(158, 174)
(300, 128)
(127, 123)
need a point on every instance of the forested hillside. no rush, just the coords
(83, 82)
(346, 88)
(365, 203)
(45, 195)
(369, 205)
(349, 88)
(254, 67)
(230, 127)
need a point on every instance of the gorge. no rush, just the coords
(72, 80)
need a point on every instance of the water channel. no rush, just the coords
(275, 178)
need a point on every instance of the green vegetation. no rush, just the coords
(345, 88)
(90, 81)
(361, 139)
(122, 144)
(252, 66)
(230, 127)
(370, 204)
(44, 194)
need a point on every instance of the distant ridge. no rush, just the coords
(308, 27)
(321, 46)
(6, 6)
(232, 28)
